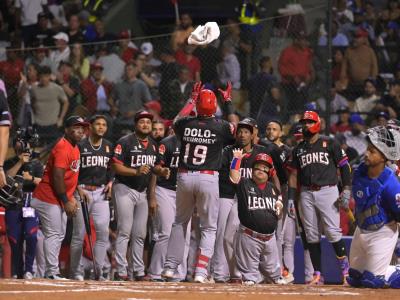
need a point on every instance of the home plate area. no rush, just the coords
(70, 290)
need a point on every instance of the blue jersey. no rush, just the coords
(377, 200)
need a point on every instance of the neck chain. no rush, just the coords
(98, 147)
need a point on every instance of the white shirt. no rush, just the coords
(102, 104)
(365, 105)
(56, 57)
(30, 10)
(182, 86)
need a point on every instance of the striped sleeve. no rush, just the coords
(5, 115)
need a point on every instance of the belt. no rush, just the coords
(90, 188)
(314, 187)
(209, 172)
(256, 235)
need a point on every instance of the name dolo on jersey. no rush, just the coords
(255, 202)
(312, 158)
(140, 160)
(94, 161)
(195, 135)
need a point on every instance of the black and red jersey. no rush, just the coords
(168, 156)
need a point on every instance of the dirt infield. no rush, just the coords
(71, 290)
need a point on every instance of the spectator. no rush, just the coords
(101, 34)
(356, 138)
(169, 72)
(40, 58)
(209, 57)
(390, 102)
(50, 106)
(382, 118)
(343, 124)
(178, 93)
(394, 10)
(127, 49)
(185, 57)
(43, 34)
(27, 12)
(181, 33)
(56, 8)
(359, 64)
(148, 74)
(25, 117)
(338, 38)
(70, 84)
(270, 108)
(4, 38)
(80, 63)
(96, 91)
(128, 97)
(112, 64)
(62, 51)
(259, 84)
(148, 50)
(337, 64)
(389, 43)
(74, 32)
(229, 69)
(158, 130)
(297, 72)
(365, 103)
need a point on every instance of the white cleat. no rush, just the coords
(249, 282)
(168, 274)
(79, 278)
(281, 281)
(289, 278)
(28, 276)
(200, 279)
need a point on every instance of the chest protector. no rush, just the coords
(367, 194)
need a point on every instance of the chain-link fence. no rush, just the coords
(279, 67)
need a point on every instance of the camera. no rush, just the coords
(28, 138)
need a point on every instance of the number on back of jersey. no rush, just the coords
(197, 154)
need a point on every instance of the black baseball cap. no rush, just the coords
(96, 117)
(247, 123)
(143, 114)
(75, 121)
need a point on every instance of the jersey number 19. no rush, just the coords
(199, 154)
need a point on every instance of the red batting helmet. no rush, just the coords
(265, 159)
(207, 103)
(312, 116)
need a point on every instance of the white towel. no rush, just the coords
(204, 35)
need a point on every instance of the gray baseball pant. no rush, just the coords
(54, 223)
(288, 240)
(99, 209)
(223, 261)
(166, 200)
(40, 263)
(131, 210)
(254, 256)
(315, 205)
(200, 190)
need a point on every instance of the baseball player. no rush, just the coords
(53, 198)
(224, 263)
(376, 191)
(165, 191)
(95, 179)
(315, 163)
(202, 140)
(286, 230)
(5, 124)
(259, 206)
(134, 158)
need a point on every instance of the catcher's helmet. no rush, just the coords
(10, 194)
(312, 116)
(207, 103)
(386, 139)
(265, 159)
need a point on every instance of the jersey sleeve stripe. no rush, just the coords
(117, 161)
(343, 161)
(290, 168)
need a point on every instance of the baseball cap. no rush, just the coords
(246, 123)
(143, 114)
(75, 121)
(360, 32)
(96, 117)
(383, 114)
(356, 119)
(343, 109)
(96, 65)
(146, 48)
(61, 36)
(124, 34)
(153, 105)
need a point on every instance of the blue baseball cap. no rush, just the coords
(356, 119)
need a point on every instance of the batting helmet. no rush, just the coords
(207, 103)
(386, 139)
(265, 159)
(312, 116)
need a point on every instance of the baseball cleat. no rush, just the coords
(78, 278)
(289, 278)
(28, 276)
(118, 277)
(344, 266)
(249, 282)
(168, 274)
(318, 279)
(56, 277)
(200, 279)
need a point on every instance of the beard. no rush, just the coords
(307, 133)
(355, 131)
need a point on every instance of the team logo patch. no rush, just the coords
(75, 166)
(398, 200)
(107, 149)
(324, 144)
(118, 149)
(161, 149)
(360, 194)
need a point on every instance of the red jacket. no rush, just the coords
(89, 93)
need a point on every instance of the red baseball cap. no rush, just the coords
(361, 33)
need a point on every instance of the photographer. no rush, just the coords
(22, 222)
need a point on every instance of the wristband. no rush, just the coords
(235, 164)
(63, 198)
(292, 193)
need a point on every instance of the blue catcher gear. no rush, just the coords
(367, 194)
(369, 280)
(354, 278)
(394, 279)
